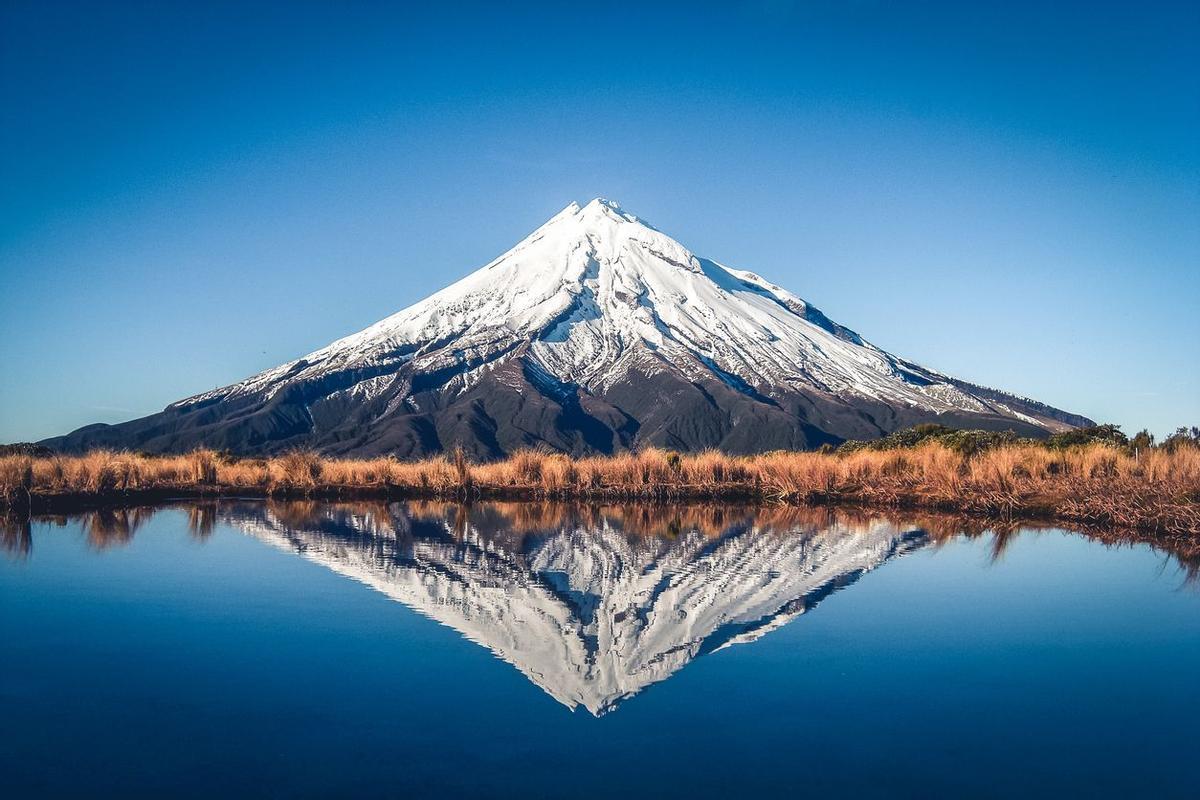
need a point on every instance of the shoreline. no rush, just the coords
(1094, 485)
(56, 503)
(118, 508)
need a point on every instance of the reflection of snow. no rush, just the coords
(588, 612)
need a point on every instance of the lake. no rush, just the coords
(529, 650)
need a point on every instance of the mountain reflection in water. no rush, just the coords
(591, 606)
(591, 603)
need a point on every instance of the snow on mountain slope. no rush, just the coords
(596, 291)
(597, 332)
(592, 615)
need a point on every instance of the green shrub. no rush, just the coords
(1182, 437)
(1095, 434)
(962, 441)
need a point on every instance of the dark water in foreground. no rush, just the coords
(307, 649)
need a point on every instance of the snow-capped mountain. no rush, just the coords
(588, 611)
(596, 333)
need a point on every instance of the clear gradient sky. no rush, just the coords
(192, 192)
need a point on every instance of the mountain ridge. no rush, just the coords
(595, 333)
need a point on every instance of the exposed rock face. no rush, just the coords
(595, 334)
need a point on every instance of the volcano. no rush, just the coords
(596, 333)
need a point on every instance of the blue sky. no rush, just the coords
(194, 192)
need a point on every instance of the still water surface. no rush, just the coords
(304, 649)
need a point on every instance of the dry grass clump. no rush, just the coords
(297, 469)
(1158, 489)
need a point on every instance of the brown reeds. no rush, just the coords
(1096, 484)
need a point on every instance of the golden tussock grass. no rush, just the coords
(1098, 484)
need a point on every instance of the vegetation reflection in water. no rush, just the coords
(591, 603)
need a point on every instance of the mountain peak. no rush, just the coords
(600, 207)
(596, 332)
(604, 204)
